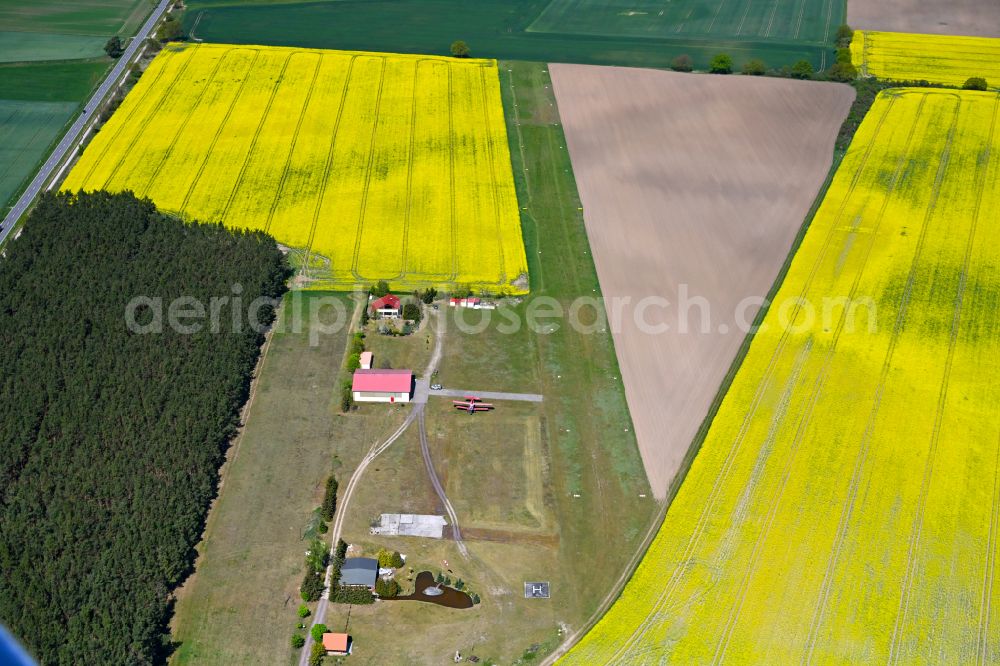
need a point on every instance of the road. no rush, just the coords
(345, 498)
(90, 110)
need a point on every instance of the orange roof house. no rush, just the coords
(336, 644)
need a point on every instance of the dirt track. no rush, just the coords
(980, 18)
(694, 180)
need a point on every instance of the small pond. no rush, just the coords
(431, 592)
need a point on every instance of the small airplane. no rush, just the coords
(472, 404)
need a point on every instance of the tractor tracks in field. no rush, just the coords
(762, 388)
(820, 384)
(178, 76)
(368, 175)
(826, 586)
(218, 132)
(912, 561)
(329, 161)
(192, 112)
(256, 135)
(291, 149)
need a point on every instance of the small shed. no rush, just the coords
(336, 644)
(366, 360)
(359, 571)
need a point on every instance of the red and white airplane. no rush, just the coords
(472, 404)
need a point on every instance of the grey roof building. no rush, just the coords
(359, 571)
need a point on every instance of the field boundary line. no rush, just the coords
(804, 422)
(918, 520)
(118, 131)
(407, 211)
(183, 126)
(847, 511)
(368, 172)
(982, 640)
(291, 149)
(329, 163)
(218, 133)
(256, 136)
(762, 387)
(494, 189)
(143, 127)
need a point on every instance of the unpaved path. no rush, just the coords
(338, 524)
(693, 188)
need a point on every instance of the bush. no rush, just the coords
(721, 64)
(459, 584)
(803, 69)
(312, 586)
(113, 47)
(170, 30)
(318, 557)
(316, 654)
(682, 63)
(304, 611)
(843, 72)
(843, 55)
(346, 397)
(389, 559)
(411, 311)
(351, 595)
(298, 640)
(754, 67)
(386, 588)
(460, 49)
(975, 83)
(330, 498)
(317, 632)
(475, 598)
(844, 36)
(462, 291)
(428, 295)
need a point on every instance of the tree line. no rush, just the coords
(112, 439)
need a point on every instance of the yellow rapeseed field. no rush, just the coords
(845, 505)
(369, 166)
(945, 59)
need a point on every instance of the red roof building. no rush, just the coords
(336, 644)
(387, 306)
(382, 385)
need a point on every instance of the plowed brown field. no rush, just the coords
(977, 18)
(697, 185)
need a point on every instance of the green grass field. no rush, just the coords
(34, 46)
(80, 17)
(492, 28)
(240, 603)
(27, 129)
(779, 20)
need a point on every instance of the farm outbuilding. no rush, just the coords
(387, 306)
(359, 571)
(372, 385)
(366, 360)
(336, 644)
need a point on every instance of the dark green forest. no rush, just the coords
(110, 440)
